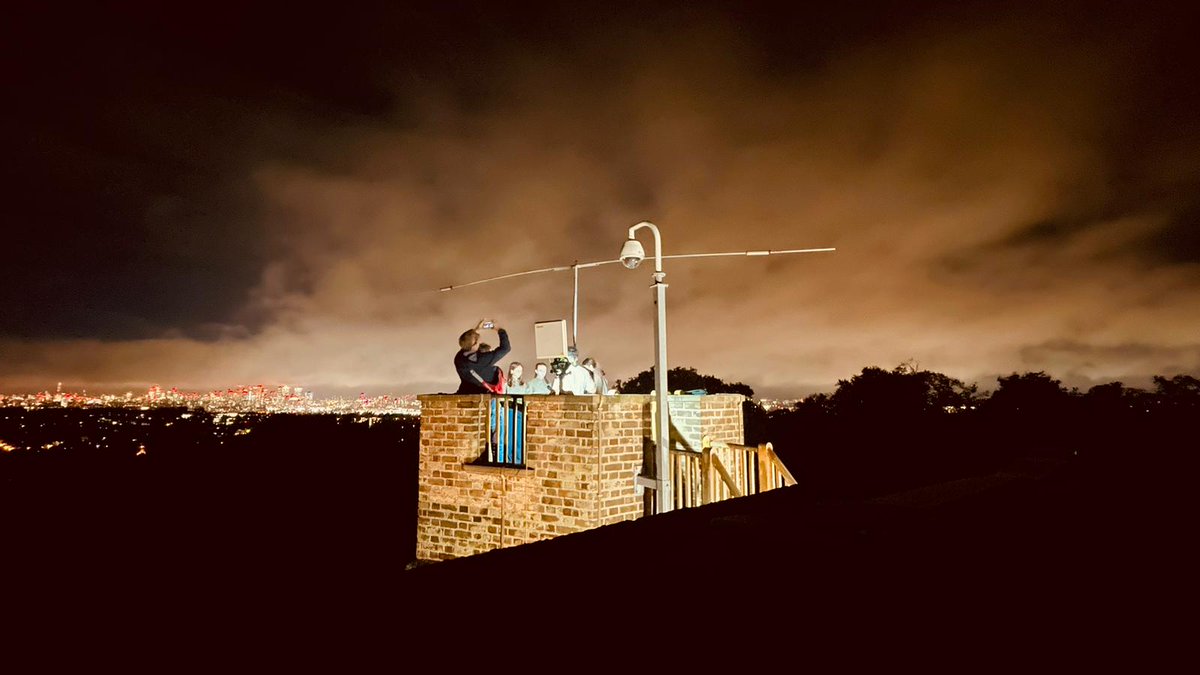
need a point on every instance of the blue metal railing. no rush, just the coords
(506, 431)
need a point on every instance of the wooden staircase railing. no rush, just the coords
(723, 471)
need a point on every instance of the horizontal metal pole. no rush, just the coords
(598, 263)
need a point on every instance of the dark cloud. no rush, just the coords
(266, 196)
(1178, 241)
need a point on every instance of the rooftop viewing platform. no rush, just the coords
(497, 471)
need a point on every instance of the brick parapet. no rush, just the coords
(583, 454)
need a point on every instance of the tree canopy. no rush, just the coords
(908, 390)
(1029, 393)
(1181, 391)
(683, 379)
(905, 390)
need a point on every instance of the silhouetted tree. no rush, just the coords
(1114, 398)
(876, 391)
(683, 379)
(905, 390)
(943, 392)
(814, 406)
(1179, 392)
(1030, 393)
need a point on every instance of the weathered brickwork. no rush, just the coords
(624, 427)
(583, 454)
(721, 418)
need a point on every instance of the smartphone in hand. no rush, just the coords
(489, 325)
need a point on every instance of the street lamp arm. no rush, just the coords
(658, 256)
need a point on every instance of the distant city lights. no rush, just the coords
(243, 399)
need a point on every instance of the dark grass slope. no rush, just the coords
(1076, 559)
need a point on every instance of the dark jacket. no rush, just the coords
(483, 363)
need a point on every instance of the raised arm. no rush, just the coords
(493, 357)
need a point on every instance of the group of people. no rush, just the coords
(479, 371)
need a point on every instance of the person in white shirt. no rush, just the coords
(577, 380)
(599, 380)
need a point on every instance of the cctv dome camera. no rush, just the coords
(632, 253)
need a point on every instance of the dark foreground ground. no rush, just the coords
(1046, 563)
(1072, 560)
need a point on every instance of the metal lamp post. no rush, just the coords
(632, 255)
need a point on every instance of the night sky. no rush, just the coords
(250, 193)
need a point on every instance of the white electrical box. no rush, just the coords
(550, 338)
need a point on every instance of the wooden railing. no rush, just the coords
(725, 470)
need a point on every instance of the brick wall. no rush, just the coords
(583, 454)
(624, 426)
(721, 418)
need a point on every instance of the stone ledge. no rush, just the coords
(503, 470)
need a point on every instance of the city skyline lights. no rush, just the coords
(245, 398)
